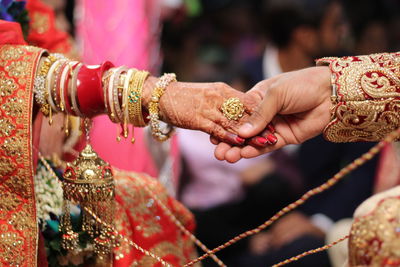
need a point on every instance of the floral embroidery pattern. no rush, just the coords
(368, 97)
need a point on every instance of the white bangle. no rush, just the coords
(111, 94)
(116, 83)
(63, 78)
(74, 100)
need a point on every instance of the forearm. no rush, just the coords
(125, 95)
(366, 97)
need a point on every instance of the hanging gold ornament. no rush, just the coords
(88, 182)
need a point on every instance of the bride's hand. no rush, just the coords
(296, 102)
(197, 106)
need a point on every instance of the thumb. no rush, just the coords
(261, 116)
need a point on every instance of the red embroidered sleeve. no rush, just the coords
(366, 96)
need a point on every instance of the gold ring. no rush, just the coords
(233, 109)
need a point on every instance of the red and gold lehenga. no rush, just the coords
(140, 216)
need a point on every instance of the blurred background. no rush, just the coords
(241, 42)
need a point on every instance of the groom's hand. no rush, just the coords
(297, 103)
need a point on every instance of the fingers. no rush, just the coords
(233, 155)
(252, 152)
(267, 137)
(221, 150)
(256, 146)
(214, 140)
(224, 151)
(262, 115)
(219, 133)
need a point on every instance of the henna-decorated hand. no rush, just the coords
(197, 106)
(296, 102)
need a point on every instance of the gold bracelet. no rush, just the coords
(39, 86)
(125, 106)
(135, 98)
(157, 93)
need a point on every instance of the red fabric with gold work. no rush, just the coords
(43, 31)
(141, 218)
(18, 224)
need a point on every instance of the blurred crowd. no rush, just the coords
(241, 42)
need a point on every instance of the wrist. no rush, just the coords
(147, 89)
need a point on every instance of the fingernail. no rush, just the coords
(272, 139)
(271, 128)
(262, 140)
(240, 140)
(246, 127)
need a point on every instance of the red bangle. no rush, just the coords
(90, 89)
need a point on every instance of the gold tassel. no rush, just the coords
(70, 239)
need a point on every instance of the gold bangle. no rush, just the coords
(39, 86)
(125, 106)
(157, 93)
(135, 98)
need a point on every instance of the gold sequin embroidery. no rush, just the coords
(6, 127)
(374, 238)
(18, 225)
(7, 86)
(7, 166)
(368, 97)
(40, 22)
(13, 107)
(11, 247)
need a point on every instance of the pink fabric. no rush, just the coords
(124, 32)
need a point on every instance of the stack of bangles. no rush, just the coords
(62, 85)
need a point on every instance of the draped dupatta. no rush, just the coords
(18, 63)
(18, 222)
